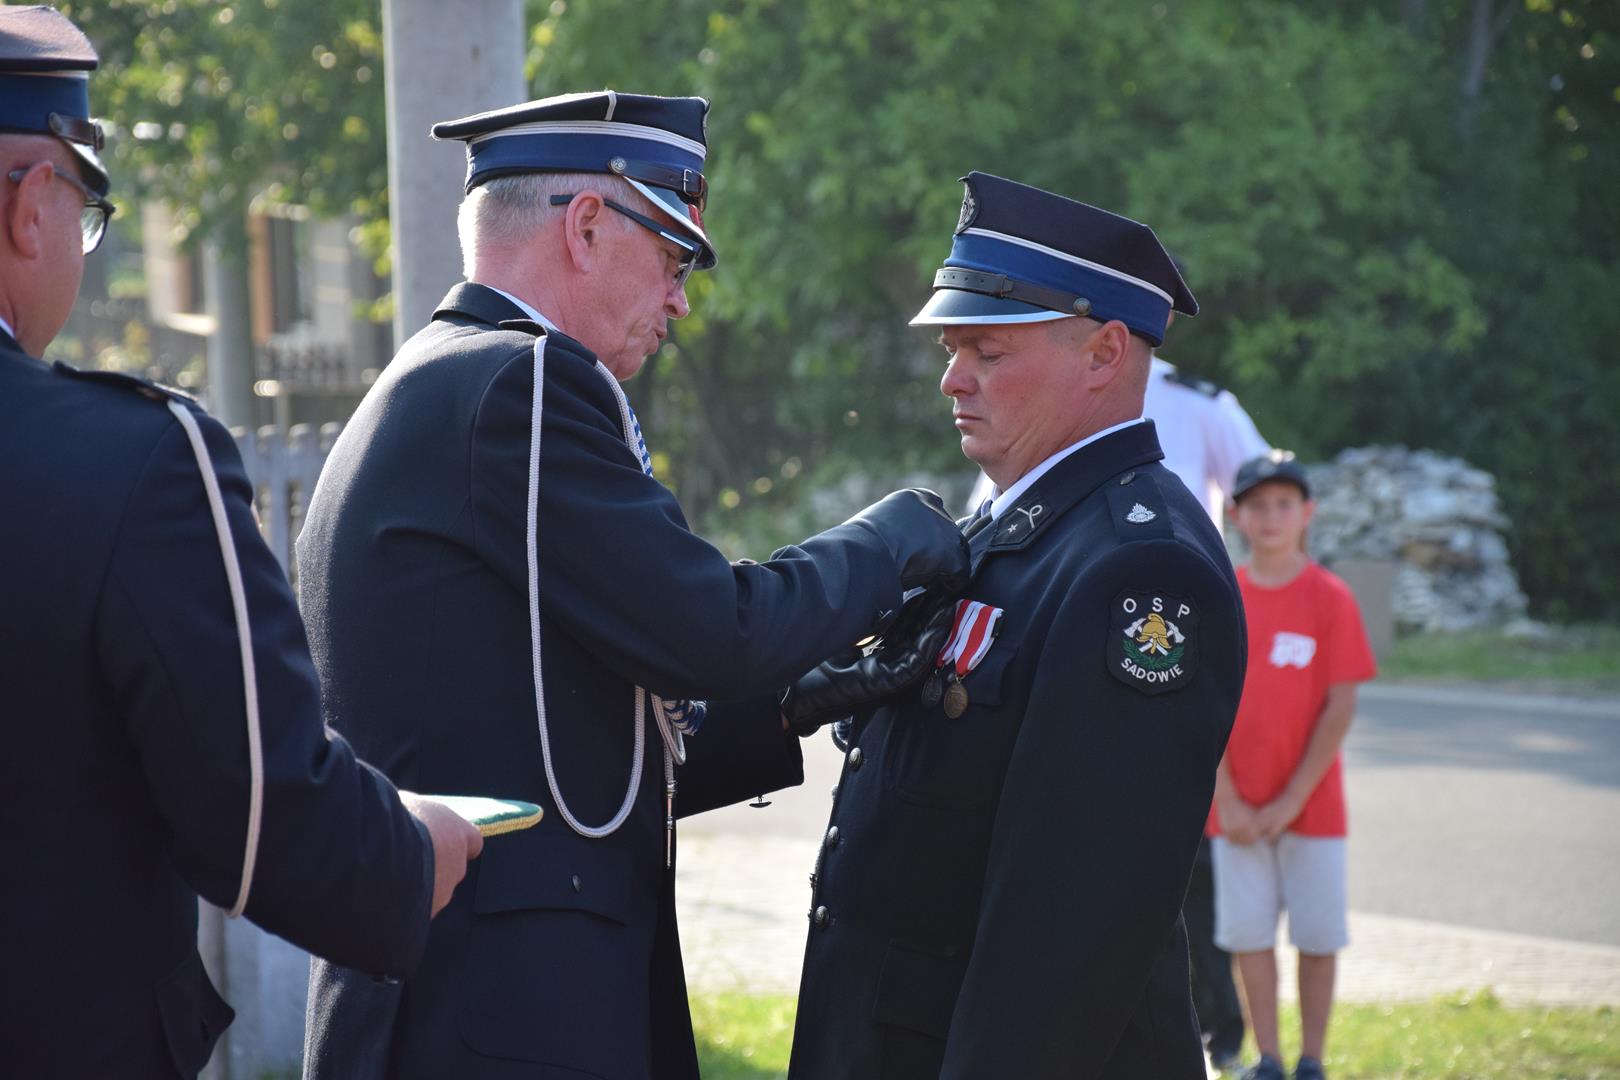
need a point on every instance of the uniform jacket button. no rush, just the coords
(835, 791)
(832, 837)
(820, 917)
(577, 885)
(855, 757)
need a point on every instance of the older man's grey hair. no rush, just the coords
(509, 210)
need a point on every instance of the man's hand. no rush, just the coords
(1274, 818)
(455, 842)
(1240, 822)
(926, 544)
(851, 681)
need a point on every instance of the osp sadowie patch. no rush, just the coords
(1152, 641)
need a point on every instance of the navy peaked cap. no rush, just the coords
(658, 144)
(1026, 255)
(45, 65)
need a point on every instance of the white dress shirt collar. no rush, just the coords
(1003, 501)
(7, 328)
(527, 310)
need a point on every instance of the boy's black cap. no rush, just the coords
(1273, 465)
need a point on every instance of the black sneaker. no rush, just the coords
(1225, 1061)
(1267, 1068)
(1309, 1069)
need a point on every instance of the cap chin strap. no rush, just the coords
(1005, 288)
(78, 129)
(244, 637)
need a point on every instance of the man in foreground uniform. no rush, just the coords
(162, 717)
(503, 601)
(998, 893)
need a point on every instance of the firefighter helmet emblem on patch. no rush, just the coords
(1153, 643)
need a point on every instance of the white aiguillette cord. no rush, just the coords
(244, 637)
(674, 748)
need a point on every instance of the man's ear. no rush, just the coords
(1107, 350)
(24, 211)
(583, 226)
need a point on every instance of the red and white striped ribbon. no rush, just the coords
(971, 636)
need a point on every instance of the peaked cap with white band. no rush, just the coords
(45, 65)
(658, 144)
(1026, 255)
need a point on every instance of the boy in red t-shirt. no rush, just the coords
(1278, 823)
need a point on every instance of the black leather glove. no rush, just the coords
(926, 544)
(852, 680)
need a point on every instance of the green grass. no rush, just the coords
(742, 1037)
(1464, 1037)
(1578, 656)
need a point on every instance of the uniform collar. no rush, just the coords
(480, 302)
(1009, 498)
(1065, 484)
(530, 310)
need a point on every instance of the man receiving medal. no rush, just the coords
(999, 892)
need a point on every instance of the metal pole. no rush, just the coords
(230, 344)
(443, 59)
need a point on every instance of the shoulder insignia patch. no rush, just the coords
(1136, 507)
(1153, 641)
(144, 387)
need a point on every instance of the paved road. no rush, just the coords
(1487, 810)
(1485, 849)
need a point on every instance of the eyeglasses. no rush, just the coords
(92, 219)
(690, 249)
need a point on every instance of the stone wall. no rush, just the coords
(1437, 518)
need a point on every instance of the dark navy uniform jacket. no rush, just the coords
(124, 786)
(999, 894)
(559, 955)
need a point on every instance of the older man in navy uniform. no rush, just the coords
(503, 600)
(163, 727)
(999, 889)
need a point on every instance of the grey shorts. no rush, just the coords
(1255, 883)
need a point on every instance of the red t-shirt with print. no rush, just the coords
(1303, 638)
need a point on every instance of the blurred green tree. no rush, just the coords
(216, 104)
(1400, 217)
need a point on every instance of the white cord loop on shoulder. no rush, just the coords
(674, 750)
(244, 637)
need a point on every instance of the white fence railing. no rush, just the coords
(283, 467)
(261, 975)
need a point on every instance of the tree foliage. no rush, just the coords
(216, 104)
(1400, 217)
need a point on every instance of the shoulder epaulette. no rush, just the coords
(1137, 507)
(1203, 386)
(123, 379)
